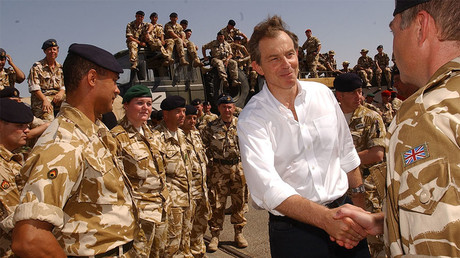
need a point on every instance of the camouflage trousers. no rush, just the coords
(311, 62)
(222, 70)
(366, 75)
(224, 181)
(169, 46)
(201, 216)
(5, 244)
(155, 45)
(378, 75)
(37, 106)
(179, 230)
(151, 238)
(133, 48)
(374, 205)
(191, 50)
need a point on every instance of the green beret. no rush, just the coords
(172, 102)
(136, 91)
(15, 112)
(347, 82)
(190, 110)
(402, 5)
(226, 99)
(370, 95)
(49, 43)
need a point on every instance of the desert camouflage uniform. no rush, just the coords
(144, 167)
(422, 204)
(138, 32)
(383, 61)
(178, 178)
(368, 130)
(226, 176)
(387, 112)
(76, 183)
(396, 104)
(171, 42)
(7, 78)
(10, 189)
(219, 53)
(365, 71)
(229, 35)
(205, 120)
(202, 212)
(154, 39)
(50, 82)
(372, 107)
(311, 59)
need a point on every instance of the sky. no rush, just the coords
(345, 26)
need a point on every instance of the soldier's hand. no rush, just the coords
(46, 106)
(58, 97)
(142, 44)
(8, 58)
(344, 231)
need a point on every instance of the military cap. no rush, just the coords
(196, 102)
(226, 99)
(347, 82)
(173, 15)
(308, 30)
(379, 46)
(154, 14)
(140, 13)
(9, 92)
(370, 95)
(190, 110)
(402, 5)
(97, 56)
(231, 22)
(184, 22)
(2, 53)
(331, 52)
(364, 50)
(172, 102)
(49, 43)
(237, 38)
(220, 33)
(15, 112)
(187, 30)
(205, 103)
(345, 63)
(386, 93)
(136, 91)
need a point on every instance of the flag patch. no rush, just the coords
(415, 154)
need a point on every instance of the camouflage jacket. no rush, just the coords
(238, 50)
(221, 142)
(311, 45)
(423, 177)
(10, 189)
(219, 50)
(42, 77)
(177, 164)
(230, 35)
(382, 60)
(176, 28)
(396, 104)
(76, 183)
(372, 107)
(136, 31)
(365, 62)
(143, 164)
(387, 112)
(157, 31)
(7, 77)
(204, 120)
(199, 161)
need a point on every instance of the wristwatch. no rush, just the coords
(357, 190)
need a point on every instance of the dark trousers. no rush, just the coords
(291, 238)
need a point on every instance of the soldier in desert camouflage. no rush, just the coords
(11, 75)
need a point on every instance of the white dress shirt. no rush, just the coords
(283, 157)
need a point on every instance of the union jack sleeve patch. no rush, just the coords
(415, 154)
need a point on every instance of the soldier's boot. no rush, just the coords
(236, 83)
(213, 244)
(224, 82)
(240, 241)
(182, 61)
(197, 63)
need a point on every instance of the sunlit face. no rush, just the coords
(279, 62)
(220, 38)
(386, 99)
(189, 122)
(188, 34)
(200, 108)
(206, 108)
(308, 34)
(349, 101)
(107, 91)
(2, 62)
(173, 19)
(154, 19)
(13, 135)
(51, 52)
(138, 110)
(226, 111)
(139, 18)
(174, 118)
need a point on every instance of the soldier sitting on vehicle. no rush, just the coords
(175, 37)
(191, 49)
(230, 32)
(221, 54)
(135, 32)
(241, 56)
(156, 40)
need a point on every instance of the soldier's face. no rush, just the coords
(51, 52)
(189, 122)
(279, 62)
(226, 111)
(13, 135)
(349, 101)
(138, 110)
(175, 117)
(206, 108)
(106, 91)
(199, 107)
(2, 62)
(154, 19)
(139, 18)
(220, 38)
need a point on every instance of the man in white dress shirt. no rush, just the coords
(298, 154)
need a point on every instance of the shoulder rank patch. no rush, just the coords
(52, 174)
(5, 185)
(359, 126)
(415, 154)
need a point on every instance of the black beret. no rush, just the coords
(379, 46)
(49, 43)
(140, 13)
(196, 102)
(15, 112)
(173, 15)
(220, 33)
(136, 91)
(231, 22)
(205, 103)
(402, 5)
(237, 38)
(187, 30)
(9, 92)
(2, 53)
(184, 22)
(97, 56)
(190, 110)
(226, 99)
(172, 102)
(154, 14)
(347, 82)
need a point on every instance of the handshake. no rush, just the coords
(354, 224)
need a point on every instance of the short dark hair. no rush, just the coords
(268, 28)
(154, 14)
(74, 68)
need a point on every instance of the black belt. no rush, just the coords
(113, 252)
(337, 202)
(230, 162)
